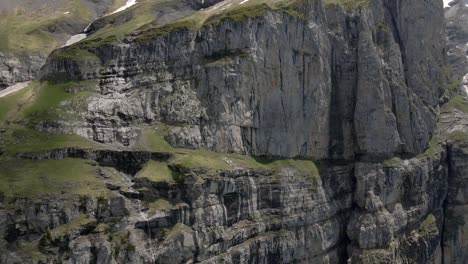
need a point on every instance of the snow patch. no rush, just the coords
(446, 3)
(14, 88)
(79, 37)
(87, 28)
(465, 83)
(74, 39)
(127, 5)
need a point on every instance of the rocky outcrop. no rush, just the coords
(399, 210)
(455, 242)
(456, 16)
(457, 39)
(16, 68)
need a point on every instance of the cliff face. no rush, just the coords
(352, 82)
(16, 68)
(356, 86)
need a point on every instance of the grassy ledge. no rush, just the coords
(20, 138)
(214, 15)
(433, 149)
(156, 171)
(28, 178)
(62, 101)
(457, 102)
(428, 226)
(347, 4)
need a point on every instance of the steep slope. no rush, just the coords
(30, 30)
(356, 139)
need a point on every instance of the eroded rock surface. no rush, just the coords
(359, 87)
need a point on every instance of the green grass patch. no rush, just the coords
(239, 14)
(157, 172)
(77, 54)
(53, 101)
(303, 166)
(176, 231)
(159, 204)
(121, 241)
(457, 102)
(10, 104)
(29, 178)
(347, 4)
(458, 136)
(34, 31)
(212, 16)
(428, 226)
(214, 161)
(19, 139)
(31, 250)
(392, 162)
(152, 139)
(434, 147)
(200, 159)
(73, 226)
(450, 82)
(119, 25)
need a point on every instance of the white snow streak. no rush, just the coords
(465, 83)
(74, 39)
(79, 37)
(13, 88)
(87, 27)
(127, 5)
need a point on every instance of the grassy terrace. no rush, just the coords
(46, 102)
(152, 139)
(27, 178)
(457, 102)
(24, 139)
(49, 102)
(39, 103)
(347, 4)
(10, 104)
(58, 101)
